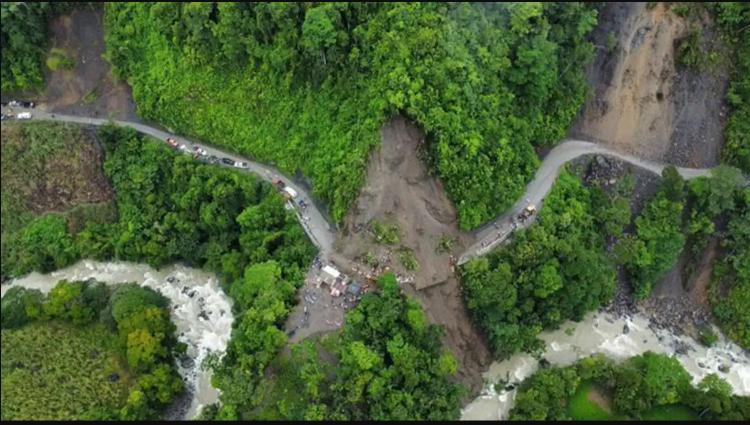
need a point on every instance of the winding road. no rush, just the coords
(323, 233)
(318, 229)
(495, 232)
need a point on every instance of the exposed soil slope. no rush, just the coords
(641, 102)
(399, 190)
(89, 88)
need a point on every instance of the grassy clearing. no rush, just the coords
(56, 370)
(445, 244)
(91, 96)
(58, 59)
(672, 412)
(46, 167)
(384, 233)
(581, 407)
(407, 259)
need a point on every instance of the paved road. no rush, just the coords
(494, 233)
(323, 234)
(316, 226)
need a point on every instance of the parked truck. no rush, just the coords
(527, 212)
(289, 193)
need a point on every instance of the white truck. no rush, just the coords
(24, 115)
(289, 192)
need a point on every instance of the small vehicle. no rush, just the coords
(289, 192)
(302, 204)
(527, 212)
(184, 148)
(279, 184)
(172, 142)
(24, 115)
(240, 164)
(227, 161)
(21, 103)
(212, 159)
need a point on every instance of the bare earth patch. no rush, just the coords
(641, 103)
(597, 397)
(400, 191)
(89, 88)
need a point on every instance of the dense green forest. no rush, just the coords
(386, 363)
(61, 351)
(172, 208)
(733, 19)
(730, 289)
(686, 215)
(553, 271)
(306, 86)
(23, 37)
(169, 208)
(649, 386)
(48, 168)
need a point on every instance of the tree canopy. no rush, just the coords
(306, 85)
(553, 271)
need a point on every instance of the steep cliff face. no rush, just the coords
(641, 101)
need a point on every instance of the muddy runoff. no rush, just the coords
(618, 338)
(200, 310)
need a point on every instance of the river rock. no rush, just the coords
(723, 368)
(625, 329)
(680, 347)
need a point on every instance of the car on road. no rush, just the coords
(21, 103)
(212, 159)
(240, 164)
(24, 115)
(278, 184)
(227, 161)
(172, 142)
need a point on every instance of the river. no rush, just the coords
(203, 317)
(604, 333)
(201, 312)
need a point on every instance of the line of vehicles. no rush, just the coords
(17, 104)
(201, 154)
